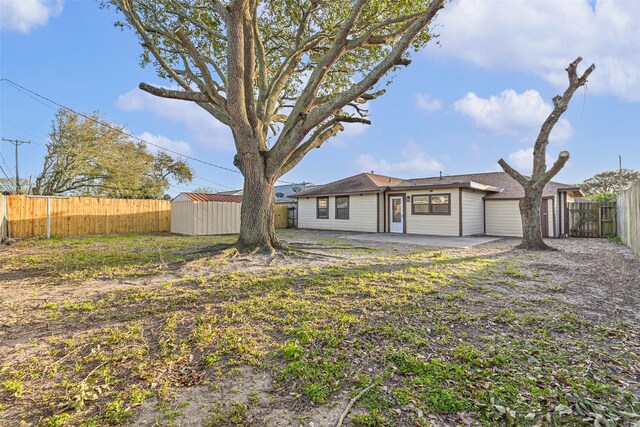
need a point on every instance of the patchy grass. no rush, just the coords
(78, 259)
(443, 334)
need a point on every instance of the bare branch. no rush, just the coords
(319, 73)
(220, 9)
(315, 141)
(210, 86)
(132, 16)
(174, 94)
(370, 37)
(301, 120)
(560, 103)
(513, 173)
(200, 98)
(392, 59)
(563, 158)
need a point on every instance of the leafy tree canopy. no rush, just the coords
(284, 75)
(609, 182)
(87, 158)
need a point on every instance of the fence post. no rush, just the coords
(48, 217)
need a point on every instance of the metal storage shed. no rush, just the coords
(203, 214)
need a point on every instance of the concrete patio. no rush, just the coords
(422, 240)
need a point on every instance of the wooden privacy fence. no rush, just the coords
(4, 225)
(280, 215)
(592, 219)
(27, 216)
(629, 217)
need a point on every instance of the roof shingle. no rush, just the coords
(499, 185)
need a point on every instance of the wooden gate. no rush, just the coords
(592, 219)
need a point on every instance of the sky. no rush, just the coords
(478, 95)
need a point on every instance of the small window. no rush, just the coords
(342, 207)
(432, 204)
(322, 207)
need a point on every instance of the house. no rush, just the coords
(205, 214)
(458, 205)
(282, 193)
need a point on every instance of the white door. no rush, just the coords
(396, 214)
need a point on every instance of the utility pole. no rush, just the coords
(620, 170)
(17, 143)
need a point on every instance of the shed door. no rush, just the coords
(544, 217)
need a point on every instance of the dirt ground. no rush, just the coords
(56, 308)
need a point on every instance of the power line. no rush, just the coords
(38, 136)
(6, 176)
(4, 161)
(109, 126)
(32, 93)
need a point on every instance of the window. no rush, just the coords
(432, 204)
(342, 207)
(322, 207)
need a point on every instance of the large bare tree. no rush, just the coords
(284, 75)
(534, 186)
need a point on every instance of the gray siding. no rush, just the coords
(472, 212)
(439, 225)
(205, 218)
(503, 218)
(182, 217)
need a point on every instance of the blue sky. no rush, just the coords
(479, 96)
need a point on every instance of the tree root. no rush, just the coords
(275, 250)
(535, 247)
(231, 252)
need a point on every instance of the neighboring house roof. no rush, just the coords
(283, 193)
(233, 192)
(205, 197)
(499, 185)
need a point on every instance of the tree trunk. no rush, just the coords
(257, 228)
(531, 229)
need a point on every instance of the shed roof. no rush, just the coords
(206, 197)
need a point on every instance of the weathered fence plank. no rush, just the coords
(588, 219)
(27, 216)
(628, 217)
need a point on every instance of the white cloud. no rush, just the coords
(164, 142)
(512, 114)
(202, 126)
(543, 36)
(23, 15)
(427, 104)
(522, 161)
(415, 161)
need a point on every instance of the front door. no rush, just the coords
(396, 214)
(544, 217)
